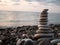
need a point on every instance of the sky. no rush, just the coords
(30, 5)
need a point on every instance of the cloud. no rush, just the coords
(50, 1)
(31, 5)
(56, 2)
(29, 0)
(16, 4)
(15, 0)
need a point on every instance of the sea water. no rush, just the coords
(20, 18)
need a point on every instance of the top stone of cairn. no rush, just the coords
(44, 11)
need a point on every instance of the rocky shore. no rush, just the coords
(12, 35)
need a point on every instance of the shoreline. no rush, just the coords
(2, 27)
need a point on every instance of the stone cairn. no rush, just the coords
(44, 31)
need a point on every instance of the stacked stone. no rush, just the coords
(44, 30)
